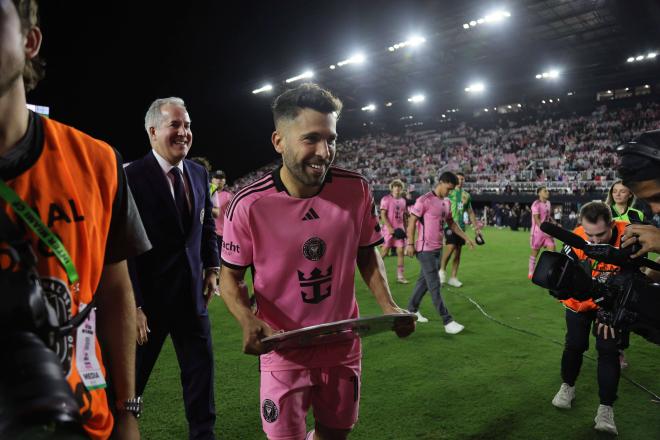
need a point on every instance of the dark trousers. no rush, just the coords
(429, 281)
(191, 336)
(578, 327)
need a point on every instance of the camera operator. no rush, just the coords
(596, 227)
(640, 171)
(82, 226)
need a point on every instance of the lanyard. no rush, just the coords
(46, 235)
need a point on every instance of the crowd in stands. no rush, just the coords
(569, 154)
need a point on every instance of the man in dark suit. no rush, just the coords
(171, 293)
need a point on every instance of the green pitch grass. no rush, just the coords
(489, 382)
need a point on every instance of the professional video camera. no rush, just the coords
(35, 399)
(628, 298)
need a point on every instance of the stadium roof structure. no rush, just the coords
(587, 42)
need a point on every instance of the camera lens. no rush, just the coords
(33, 391)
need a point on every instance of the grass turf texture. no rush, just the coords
(489, 382)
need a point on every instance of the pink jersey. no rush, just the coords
(432, 212)
(394, 210)
(303, 253)
(543, 210)
(221, 200)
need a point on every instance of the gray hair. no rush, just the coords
(154, 116)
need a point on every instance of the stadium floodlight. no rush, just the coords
(332, 67)
(551, 74)
(416, 98)
(519, 105)
(485, 109)
(413, 41)
(389, 104)
(543, 101)
(369, 108)
(304, 75)
(265, 88)
(493, 17)
(639, 57)
(630, 60)
(475, 88)
(651, 55)
(443, 115)
(357, 58)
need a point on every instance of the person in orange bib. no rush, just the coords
(75, 186)
(597, 227)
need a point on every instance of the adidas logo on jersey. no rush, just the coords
(311, 215)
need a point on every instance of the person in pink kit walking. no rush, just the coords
(541, 212)
(428, 215)
(220, 199)
(393, 213)
(303, 228)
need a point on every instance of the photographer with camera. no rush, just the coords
(67, 224)
(640, 171)
(596, 227)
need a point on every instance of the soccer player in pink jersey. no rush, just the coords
(538, 239)
(303, 228)
(429, 213)
(393, 215)
(220, 199)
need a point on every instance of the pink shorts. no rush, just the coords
(537, 241)
(333, 393)
(391, 242)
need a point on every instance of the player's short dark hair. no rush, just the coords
(594, 211)
(640, 159)
(460, 174)
(308, 95)
(448, 177)
(28, 14)
(540, 188)
(219, 174)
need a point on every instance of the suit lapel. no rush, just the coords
(194, 195)
(161, 188)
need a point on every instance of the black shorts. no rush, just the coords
(452, 238)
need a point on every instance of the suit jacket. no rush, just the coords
(177, 257)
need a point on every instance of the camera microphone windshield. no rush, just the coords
(562, 234)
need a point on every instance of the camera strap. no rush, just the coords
(33, 221)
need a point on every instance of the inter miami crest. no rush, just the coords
(269, 411)
(314, 249)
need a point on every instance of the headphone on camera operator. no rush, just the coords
(640, 171)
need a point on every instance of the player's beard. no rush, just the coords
(298, 169)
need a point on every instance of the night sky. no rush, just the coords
(105, 69)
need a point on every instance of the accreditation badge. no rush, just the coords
(87, 364)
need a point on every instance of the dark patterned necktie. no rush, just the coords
(180, 198)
